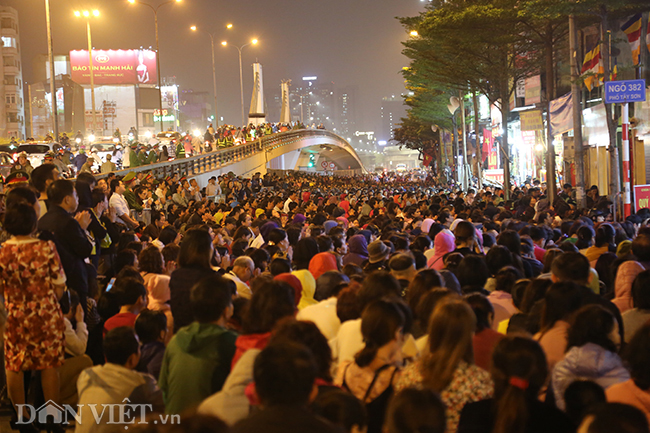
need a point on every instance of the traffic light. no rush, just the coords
(312, 160)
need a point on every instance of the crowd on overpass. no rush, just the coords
(379, 303)
(83, 155)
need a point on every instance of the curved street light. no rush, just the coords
(214, 71)
(241, 77)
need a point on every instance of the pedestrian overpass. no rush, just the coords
(283, 151)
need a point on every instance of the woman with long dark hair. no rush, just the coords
(447, 366)
(194, 261)
(519, 372)
(375, 369)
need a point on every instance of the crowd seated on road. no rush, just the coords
(377, 303)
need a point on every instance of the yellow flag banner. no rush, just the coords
(531, 120)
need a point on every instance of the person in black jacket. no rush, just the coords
(194, 265)
(70, 237)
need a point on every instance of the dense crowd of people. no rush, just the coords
(78, 155)
(302, 302)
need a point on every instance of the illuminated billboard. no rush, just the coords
(114, 67)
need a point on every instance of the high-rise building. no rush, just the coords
(196, 110)
(12, 112)
(392, 110)
(347, 115)
(313, 102)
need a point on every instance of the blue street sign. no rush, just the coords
(624, 91)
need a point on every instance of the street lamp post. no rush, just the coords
(50, 54)
(214, 76)
(241, 76)
(86, 15)
(155, 14)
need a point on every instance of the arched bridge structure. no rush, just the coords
(278, 151)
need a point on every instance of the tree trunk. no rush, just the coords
(614, 183)
(455, 150)
(551, 188)
(477, 133)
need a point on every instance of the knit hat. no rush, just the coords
(377, 251)
(329, 225)
(299, 219)
(258, 212)
(624, 248)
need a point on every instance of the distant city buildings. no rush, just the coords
(196, 110)
(392, 110)
(12, 112)
(314, 101)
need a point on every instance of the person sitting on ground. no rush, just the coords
(151, 265)
(323, 314)
(284, 375)
(639, 315)
(581, 397)
(342, 409)
(271, 304)
(111, 383)
(485, 338)
(242, 272)
(132, 298)
(416, 411)
(197, 359)
(76, 341)
(375, 369)
(618, 417)
(519, 373)
(151, 328)
(447, 365)
(193, 265)
(592, 345)
(636, 391)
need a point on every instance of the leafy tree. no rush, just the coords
(477, 45)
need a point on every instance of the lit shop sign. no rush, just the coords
(165, 118)
(114, 67)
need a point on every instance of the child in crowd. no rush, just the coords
(151, 328)
(111, 383)
(132, 298)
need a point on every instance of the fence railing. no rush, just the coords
(217, 159)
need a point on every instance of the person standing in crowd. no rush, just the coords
(32, 280)
(70, 237)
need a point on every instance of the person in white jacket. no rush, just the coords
(107, 386)
(76, 340)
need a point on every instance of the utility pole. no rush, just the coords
(577, 114)
(50, 54)
(465, 178)
(479, 149)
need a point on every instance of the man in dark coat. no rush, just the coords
(70, 237)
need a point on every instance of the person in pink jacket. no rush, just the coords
(443, 243)
(625, 276)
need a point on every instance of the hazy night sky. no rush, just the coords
(345, 41)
